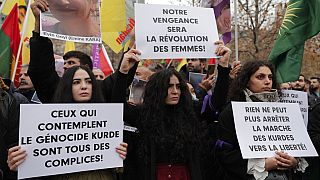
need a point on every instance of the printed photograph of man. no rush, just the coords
(72, 17)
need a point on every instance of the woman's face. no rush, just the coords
(261, 80)
(81, 86)
(64, 9)
(174, 91)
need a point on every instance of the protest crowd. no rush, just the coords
(182, 130)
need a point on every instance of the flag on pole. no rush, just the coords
(8, 5)
(113, 15)
(119, 15)
(27, 35)
(10, 39)
(301, 22)
(105, 62)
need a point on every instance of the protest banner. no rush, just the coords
(175, 32)
(77, 22)
(300, 97)
(263, 128)
(65, 138)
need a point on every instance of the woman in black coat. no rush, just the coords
(256, 82)
(167, 143)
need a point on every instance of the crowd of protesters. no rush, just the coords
(183, 133)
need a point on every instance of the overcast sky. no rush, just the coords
(157, 1)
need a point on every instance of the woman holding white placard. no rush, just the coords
(256, 82)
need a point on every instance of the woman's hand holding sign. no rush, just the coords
(16, 156)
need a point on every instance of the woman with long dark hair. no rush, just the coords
(256, 82)
(167, 142)
(78, 85)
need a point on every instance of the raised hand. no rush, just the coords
(37, 7)
(129, 59)
(223, 51)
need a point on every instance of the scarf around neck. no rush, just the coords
(271, 96)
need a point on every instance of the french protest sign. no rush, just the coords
(264, 127)
(68, 22)
(65, 138)
(166, 31)
(300, 97)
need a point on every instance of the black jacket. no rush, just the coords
(135, 166)
(314, 133)
(9, 130)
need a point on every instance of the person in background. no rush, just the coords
(143, 73)
(98, 74)
(9, 129)
(285, 86)
(300, 84)
(25, 85)
(307, 86)
(313, 172)
(314, 89)
(197, 65)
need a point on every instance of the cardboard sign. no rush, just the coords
(300, 97)
(263, 128)
(65, 138)
(171, 32)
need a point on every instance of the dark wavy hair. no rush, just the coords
(169, 127)
(63, 93)
(240, 83)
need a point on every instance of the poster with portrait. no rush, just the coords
(77, 21)
(223, 17)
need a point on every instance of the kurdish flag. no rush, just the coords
(10, 39)
(301, 22)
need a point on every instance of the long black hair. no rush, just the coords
(63, 93)
(170, 127)
(240, 83)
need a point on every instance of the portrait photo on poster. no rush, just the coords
(76, 20)
(223, 17)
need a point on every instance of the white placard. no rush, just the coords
(65, 138)
(167, 31)
(300, 97)
(264, 127)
